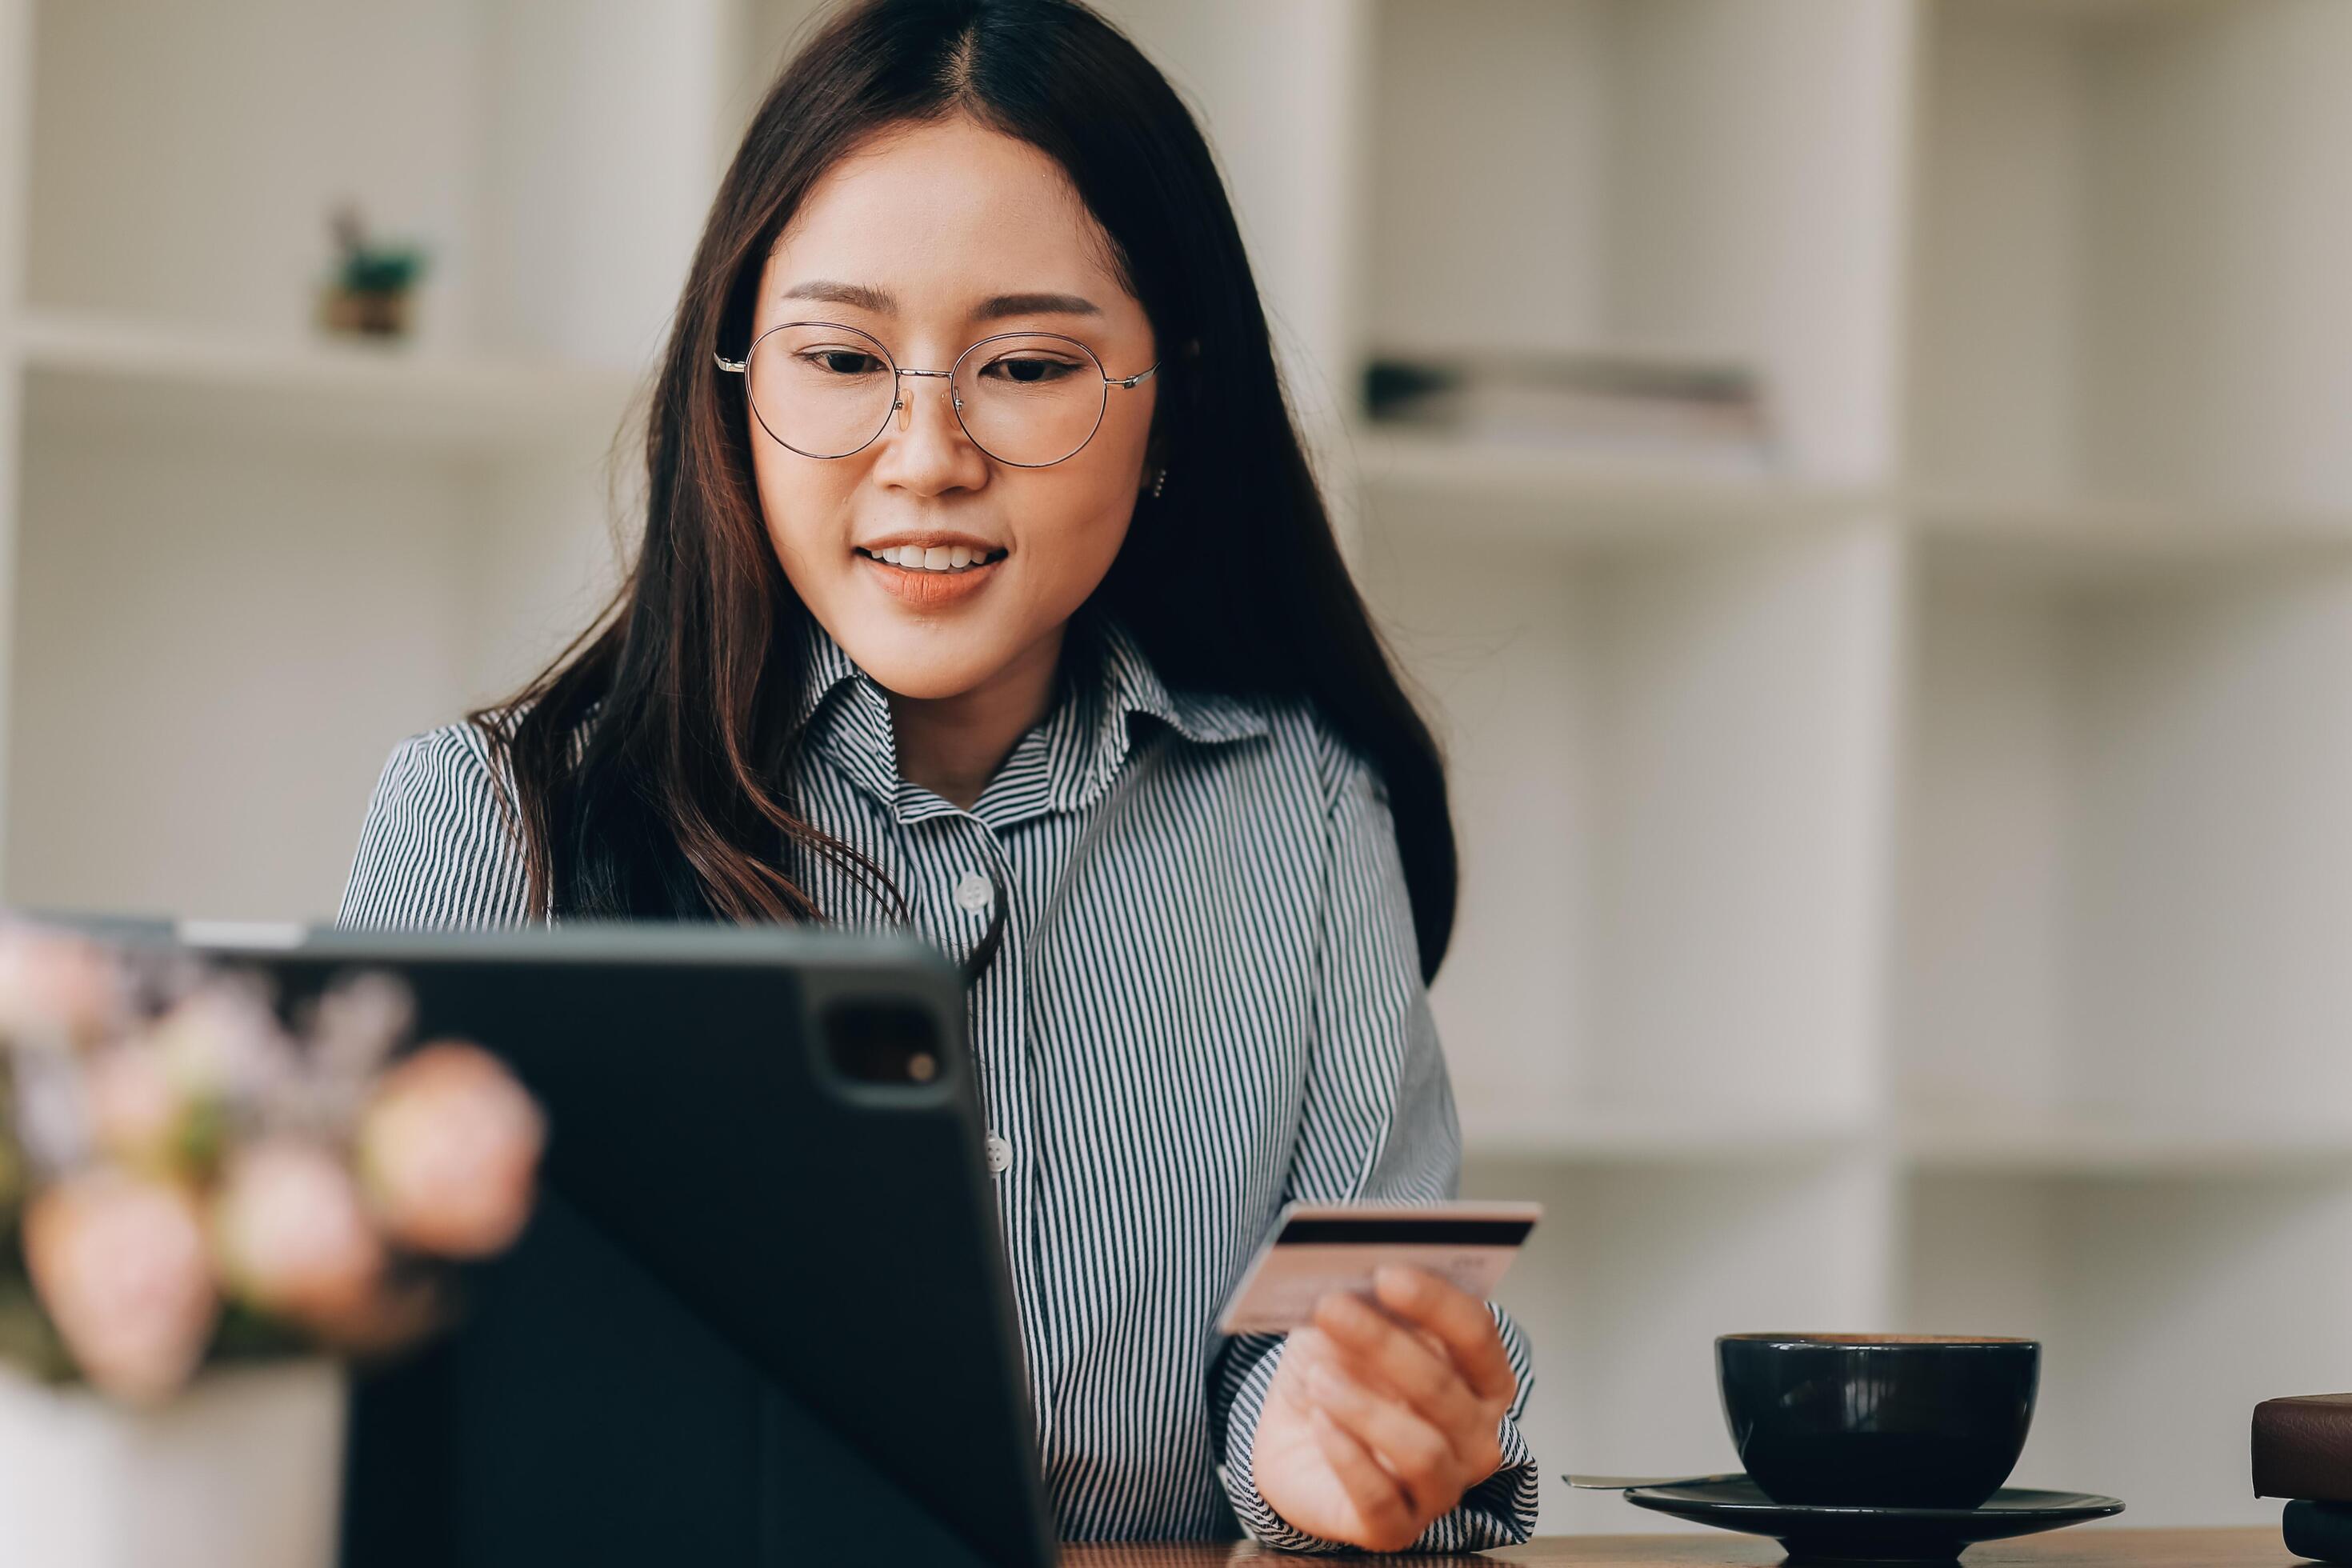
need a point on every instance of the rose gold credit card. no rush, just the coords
(1319, 1248)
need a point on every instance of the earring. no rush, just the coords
(1159, 482)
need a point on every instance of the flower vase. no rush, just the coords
(241, 1469)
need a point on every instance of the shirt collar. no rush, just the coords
(825, 667)
(1065, 763)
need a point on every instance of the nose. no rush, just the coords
(928, 451)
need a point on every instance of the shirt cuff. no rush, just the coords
(1498, 1511)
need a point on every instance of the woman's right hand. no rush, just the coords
(1379, 1417)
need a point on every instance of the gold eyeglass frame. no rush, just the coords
(743, 367)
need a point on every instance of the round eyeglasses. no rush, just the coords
(1027, 399)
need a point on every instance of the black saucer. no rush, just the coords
(1841, 1534)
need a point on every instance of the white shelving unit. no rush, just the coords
(1902, 890)
(245, 559)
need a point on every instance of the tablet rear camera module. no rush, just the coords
(883, 1043)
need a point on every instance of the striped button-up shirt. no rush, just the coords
(1196, 995)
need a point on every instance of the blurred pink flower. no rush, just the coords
(118, 1262)
(221, 1041)
(289, 1235)
(57, 988)
(448, 1149)
(137, 1113)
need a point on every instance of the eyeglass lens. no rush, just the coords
(826, 391)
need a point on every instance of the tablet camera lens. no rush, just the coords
(881, 1043)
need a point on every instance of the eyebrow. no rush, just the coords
(993, 309)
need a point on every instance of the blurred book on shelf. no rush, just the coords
(1679, 414)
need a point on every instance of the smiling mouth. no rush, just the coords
(944, 559)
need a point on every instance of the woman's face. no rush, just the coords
(929, 238)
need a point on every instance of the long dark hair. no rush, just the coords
(669, 805)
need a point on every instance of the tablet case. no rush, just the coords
(760, 1314)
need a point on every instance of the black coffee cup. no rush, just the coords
(1878, 1420)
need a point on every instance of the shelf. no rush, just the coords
(1537, 493)
(2100, 538)
(2091, 1143)
(1994, 1142)
(1668, 1135)
(89, 367)
(2098, 13)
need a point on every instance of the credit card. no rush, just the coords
(1317, 1247)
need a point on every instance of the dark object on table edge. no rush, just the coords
(1833, 1532)
(2302, 1447)
(2303, 1452)
(2318, 1530)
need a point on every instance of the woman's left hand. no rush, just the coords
(1379, 1417)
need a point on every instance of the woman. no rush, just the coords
(985, 589)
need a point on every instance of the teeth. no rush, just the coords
(935, 558)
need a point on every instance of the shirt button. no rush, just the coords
(974, 893)
(1000, 1155)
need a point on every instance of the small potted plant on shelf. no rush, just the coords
(371, 291)
(206, 1213)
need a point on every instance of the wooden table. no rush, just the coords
(2082, 1547)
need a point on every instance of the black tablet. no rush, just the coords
(761, 1314)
